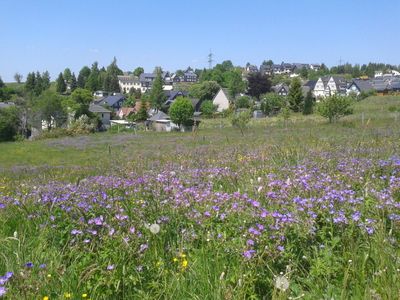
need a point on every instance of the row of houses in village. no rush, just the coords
(330, 85)
(145, 80)
(281, 69)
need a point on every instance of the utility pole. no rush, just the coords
(210, 60)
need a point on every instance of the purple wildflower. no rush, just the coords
(110, 267)
(249, 253)
(29, 264)
(3, 291)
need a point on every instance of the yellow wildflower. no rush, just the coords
(45, 298)
(84, 295)
(49, 275)
(67, 295)
(175, 259)
(183, 255)
(184, 263)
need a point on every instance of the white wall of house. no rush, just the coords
(221, 100)
(319, 89)
(353, 90)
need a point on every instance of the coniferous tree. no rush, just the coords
(67, 75)
(61, 87)
(30, 82)
(308, 104)
(93, 81)
(83, 76)
(38, 84)
(1, 83)
(45, 80)
(157, 95)
(73, 85)
(295, 96)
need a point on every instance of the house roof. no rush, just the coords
(110, 100)
(159, 116)
(94, 108)
(363, 85)
(126, 111)
(311, 84)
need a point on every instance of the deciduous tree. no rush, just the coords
(181, 111)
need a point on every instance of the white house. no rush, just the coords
(221, 99)
(329, 85)
(128, 82)
(103, 113)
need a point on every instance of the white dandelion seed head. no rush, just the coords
(281, 283)
(154, 228)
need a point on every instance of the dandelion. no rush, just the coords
(154, 228)
(281, 283)
(45, 298)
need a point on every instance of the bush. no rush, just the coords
(181, 111)
(9, 123)
(208, 109)
(241, 119)
(243, 102)
(82, 125)
(272, 103)
(334, 107)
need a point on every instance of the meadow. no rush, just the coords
(308, 210)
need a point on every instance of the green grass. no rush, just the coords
(150, 176)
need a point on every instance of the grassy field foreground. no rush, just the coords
(311, 211)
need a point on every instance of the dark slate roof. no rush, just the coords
(94, 108)
(380, 85)
(159, 116)
(110, 100)
(395, 85)
(311, 84)
(172, 95)
(363, 85)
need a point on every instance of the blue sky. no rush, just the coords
(55, 34)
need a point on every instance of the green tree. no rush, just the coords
(240, 120)
(17, 77)
(304, 72)
(235, 83)
(272, 103)
(258, 84)
(30, 82)
(138, 71)
(308, 104)
(243, 102)
(205, 90)
(93, 81)
(49, 108)
(142, 115)
(334, 107)
(111, 83)
(61, 87)
(181, 111)
(83, 76)
(45, 80)
(157, 95)
(208, 109)
(295, 96)
(78, 102)
(67, 75)
(1, 83)
(9, 123)
(73, 85)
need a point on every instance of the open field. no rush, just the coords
(306, 211)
